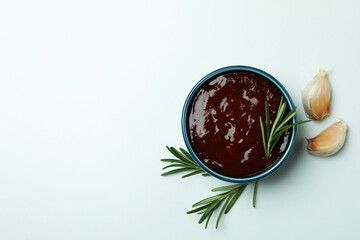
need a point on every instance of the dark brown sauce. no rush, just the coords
(224, 127)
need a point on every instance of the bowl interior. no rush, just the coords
(187, 107)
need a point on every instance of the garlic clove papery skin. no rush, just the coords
(316, 96)
(329, 141)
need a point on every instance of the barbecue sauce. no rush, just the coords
(224, 127)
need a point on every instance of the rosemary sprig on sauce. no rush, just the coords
(271, 133)
(184, 162)
(206, 207)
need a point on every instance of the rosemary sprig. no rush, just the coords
(207, 206)
(272, 133)
(183, 162)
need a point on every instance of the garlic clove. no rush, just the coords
(316, 96)
(329, 141)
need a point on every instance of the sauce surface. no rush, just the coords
(224, 127)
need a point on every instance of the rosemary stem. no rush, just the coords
(255, 192)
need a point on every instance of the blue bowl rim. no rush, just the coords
(186, 107)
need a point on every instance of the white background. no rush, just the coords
(91, 92)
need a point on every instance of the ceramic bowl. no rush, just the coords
(185, 114)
